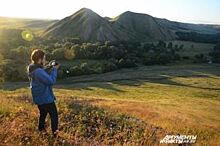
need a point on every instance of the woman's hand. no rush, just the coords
(57, 66)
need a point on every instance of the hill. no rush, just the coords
(188, 27)
(24, 23)
(128, 26)
(89, 26)
(143, 26)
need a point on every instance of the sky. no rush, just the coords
(191, 11)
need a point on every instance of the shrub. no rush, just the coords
(75, 71)
(58, 53)
(216, 53)
(126, 63)
(108, 66)
(11, 73)
(200, 58)
(69, 54)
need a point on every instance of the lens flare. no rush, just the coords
(27, 35)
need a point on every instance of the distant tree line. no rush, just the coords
(116, 55)
(198, 37)
(108, 56)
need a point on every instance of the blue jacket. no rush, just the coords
(41, 84)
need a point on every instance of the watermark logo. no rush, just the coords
(179, 139)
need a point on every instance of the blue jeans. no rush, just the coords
(52, 110)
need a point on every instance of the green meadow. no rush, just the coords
(137, 106)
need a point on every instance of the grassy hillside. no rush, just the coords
(144, 27)
(131, 106)
(22, 23)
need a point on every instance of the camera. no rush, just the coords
(50, 65)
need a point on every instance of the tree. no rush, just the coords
(69, 54)
(161, 44)
(20, 54)
(58, 54)
(216, 53)
(177, 48)
(181, 47)
(200, 58)
(126, 63)
(170, 45)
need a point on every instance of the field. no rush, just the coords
(191, 49)
(137, 106)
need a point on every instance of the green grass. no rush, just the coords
(198, 48)
(177, 99)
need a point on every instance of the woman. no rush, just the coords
(41, 88)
